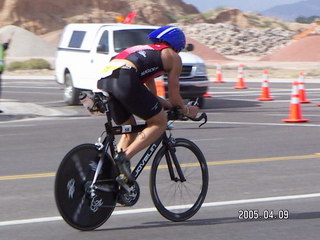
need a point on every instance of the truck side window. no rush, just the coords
(127, 38)
(103, 46)
(76, 39)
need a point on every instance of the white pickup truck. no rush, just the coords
(85, 49)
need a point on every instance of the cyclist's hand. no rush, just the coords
(193, 111)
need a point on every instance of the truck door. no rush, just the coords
(100, 54)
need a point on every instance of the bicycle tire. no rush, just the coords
(164, 190)
(75, 172)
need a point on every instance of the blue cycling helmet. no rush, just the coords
(170, 34)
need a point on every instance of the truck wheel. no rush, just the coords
(71, 94)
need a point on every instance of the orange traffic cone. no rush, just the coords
(219, 74)
(161, 91)
(265, 91)
(240, 84)
(295, 108)
(302, 92)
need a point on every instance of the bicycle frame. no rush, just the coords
(109, 143)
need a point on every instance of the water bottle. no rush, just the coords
(86, 101)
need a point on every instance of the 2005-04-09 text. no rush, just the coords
(253, 214)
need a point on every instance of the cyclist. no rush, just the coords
(129, 78)
(3, 49)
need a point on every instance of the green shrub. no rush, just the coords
(212, 12)
(29, 64)
(14, 66)
(283, 25)
(252, 16)
(303, 19)
(266, 24)
(208, 14)
(170, 16)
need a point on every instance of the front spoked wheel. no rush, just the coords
(179, 180)
(79, 206)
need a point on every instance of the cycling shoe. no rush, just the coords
(123, 165)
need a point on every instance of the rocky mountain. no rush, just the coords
(44, 16)
(228, 39)
(289, 12)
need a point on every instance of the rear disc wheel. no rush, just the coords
(77, 206)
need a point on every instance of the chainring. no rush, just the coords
(129, 199)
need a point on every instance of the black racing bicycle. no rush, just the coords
(88, 183)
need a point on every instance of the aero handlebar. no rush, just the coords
(175, 114)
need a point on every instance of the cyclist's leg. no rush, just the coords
(133, 143)
(127, 139)
(156, 125)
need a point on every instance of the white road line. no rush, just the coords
(34, 92)
(258, 124)
(23, 122)
(28, 78)
(14, 134)
(147, 210)
(30, 122)
(269, 124)
(69, 118)
(207, 139)
(29, 221)
(7, 124)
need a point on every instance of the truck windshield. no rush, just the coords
(127, 38)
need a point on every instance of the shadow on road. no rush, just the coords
(214, 221)
(11, 117)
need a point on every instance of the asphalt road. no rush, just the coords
(257, 164)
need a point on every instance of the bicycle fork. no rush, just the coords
(172, 161)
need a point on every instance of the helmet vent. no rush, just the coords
(165, 31)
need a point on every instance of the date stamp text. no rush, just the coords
(256, 214)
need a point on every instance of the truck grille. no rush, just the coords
(186, 71)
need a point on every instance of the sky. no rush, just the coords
(244, 5)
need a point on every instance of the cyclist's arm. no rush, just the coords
(151, 85)
(173, 66)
